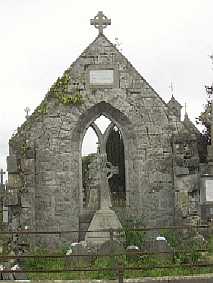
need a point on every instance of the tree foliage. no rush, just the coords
(205, 137)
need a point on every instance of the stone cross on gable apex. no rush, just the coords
(100, 22)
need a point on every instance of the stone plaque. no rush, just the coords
(209, 190)
(12, 166)
(101, 77)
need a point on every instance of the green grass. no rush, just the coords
(146, 263)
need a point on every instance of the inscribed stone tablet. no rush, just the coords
(209, 190)
(101, 77)
(12, 166)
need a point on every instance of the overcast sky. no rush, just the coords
(166, 40)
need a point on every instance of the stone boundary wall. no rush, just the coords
(208, 278)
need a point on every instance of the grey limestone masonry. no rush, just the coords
(45, 168)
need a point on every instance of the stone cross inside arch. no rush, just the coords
(100, 22)
(111, 170)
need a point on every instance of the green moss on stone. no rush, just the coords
(60, 91)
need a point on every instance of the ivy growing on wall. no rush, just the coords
(60, 91)
(42, 109)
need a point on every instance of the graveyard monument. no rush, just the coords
(157, 169)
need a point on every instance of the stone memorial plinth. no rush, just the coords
(104, 219)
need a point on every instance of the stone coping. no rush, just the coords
(204, 278)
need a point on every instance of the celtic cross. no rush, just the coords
(100, 22)
(106, 171)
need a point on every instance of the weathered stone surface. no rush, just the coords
(78, 254)
(102, 222)
(111, 247)
(158, 246)
(55, 137)
(11, 198)
(12, 166)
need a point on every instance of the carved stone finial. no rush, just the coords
(171, 88)
(100, 22)
(27, 111)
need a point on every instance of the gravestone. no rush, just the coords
(111, 247)
(158, 246)
(77, 254)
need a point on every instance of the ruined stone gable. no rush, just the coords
(44, 165)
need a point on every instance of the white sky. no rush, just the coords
(166, 40)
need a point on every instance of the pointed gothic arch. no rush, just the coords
(118, 119)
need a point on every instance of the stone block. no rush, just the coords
(28, 165)
(12, 165)
(180, 171)
(207, 212)
(14, 181)
(77, 254)
(11, 198)
(111, 247)
(158, 246)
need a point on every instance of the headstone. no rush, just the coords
(159, 246)
(18, 276)
(132, 251)
(111, 247)
(132, 248)
(78, 253)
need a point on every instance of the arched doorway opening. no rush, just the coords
(115, 155)
(103, 136)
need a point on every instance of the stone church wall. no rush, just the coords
(51, 187)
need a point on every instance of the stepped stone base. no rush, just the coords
(104, 219)
(84, 223)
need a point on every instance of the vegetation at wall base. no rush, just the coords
(133, 266)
